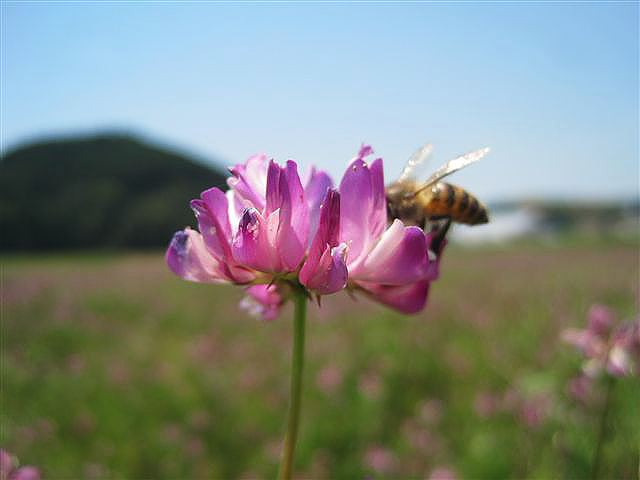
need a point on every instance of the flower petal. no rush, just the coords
(589, 344)
(211, 210)
(251, 246)
(299, 209)
(216, 201)
(600, 320)
(365, 151)
(356, 201)
(404, 298)
(378, 215)
(315, 189)
(286, 242)
(277, 192)
(330, 274)
(249, 180)
(324, 269)
(262, 301)
(214, 227)
(399, 258)
(188, 257)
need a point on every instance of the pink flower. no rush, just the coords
(614, 352)
(379, 459)
(9, 471)
(271, 231)
(580, 388)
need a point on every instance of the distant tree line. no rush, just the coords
(109, 191)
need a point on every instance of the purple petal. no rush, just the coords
(585, 341)
(188, 257)
(262, 301)
(237, 206)
(315, 190)
(249, 180)
(282, 235)
(300, 211)
(315, 187)
(213, 222)
(324, 269)
(356, 201)
(600, 320)
(216, 202)
(211, 210)
(378, 218)
(277, 192)
(251, 245)
(329, 226)
(404, 298)
(290, 247)
(399, 258)
(330, 273)
(365, 151)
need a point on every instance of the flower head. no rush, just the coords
(271, 230)
(616, 352)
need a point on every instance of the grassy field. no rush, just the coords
(113, 368)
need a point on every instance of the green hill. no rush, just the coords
(108, 191)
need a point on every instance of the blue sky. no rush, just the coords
(551, 87)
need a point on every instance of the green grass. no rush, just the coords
(113, 368)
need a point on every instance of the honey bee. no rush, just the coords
(429, 203)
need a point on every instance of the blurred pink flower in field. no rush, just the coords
(272, 230)
(485, 404)
(431, 411)
(10, 471)
(442, 473)
(328, 379)
(420, 438)
(531, 409)
(378, 459)
(370, 384)
(580, 388)
(535, 410)
(616, 352)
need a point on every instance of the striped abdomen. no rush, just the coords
(448, 201)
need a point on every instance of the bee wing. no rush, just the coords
(415, 161)
(455, 165)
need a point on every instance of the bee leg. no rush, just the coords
(440, 234)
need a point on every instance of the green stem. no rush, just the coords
(603, 428)
(297, 360)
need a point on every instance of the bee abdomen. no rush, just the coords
(449, 201)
